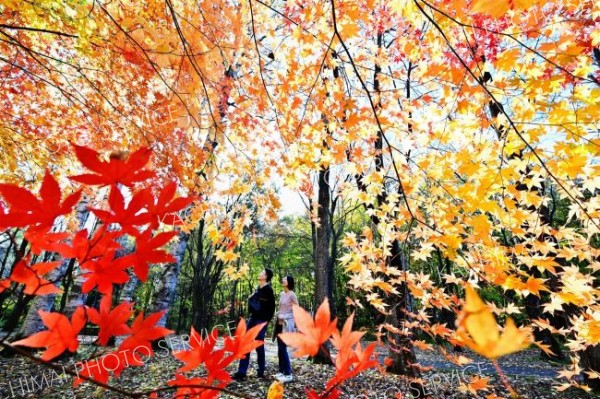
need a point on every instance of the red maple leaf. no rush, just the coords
(81, 247)
(104, 272)
(165, 209)
(203, 351)
(4, 284)
(147, 251)
(116, 170)
(43, 240)
(144, 331)
(3, 223)
(312, 333)
(30, 275)
(112, 322)
(60, 336)
(189, 390)
(127, 217)
(199, 352)
(26, 209)
(244, 341)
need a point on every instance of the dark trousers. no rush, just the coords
(260, 351)
(284, 359)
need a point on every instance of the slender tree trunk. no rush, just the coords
(19, 309)
(321, 246)
(323, 236)
(402, 352)
(590, 359)
(207, 273)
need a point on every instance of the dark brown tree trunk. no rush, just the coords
(207, 273)
(590, 359)
(18, 311)
(323, 237)
(402, 355)
(323, 263)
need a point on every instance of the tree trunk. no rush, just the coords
(76, 297)
(167, 286)
(323, 236)
(401, 349)
(323, 264)
(207, 273)
(590, 359)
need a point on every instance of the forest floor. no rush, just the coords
(527, 374)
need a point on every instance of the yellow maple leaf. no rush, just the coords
(534, 286)
(275, 391)
(479, 331)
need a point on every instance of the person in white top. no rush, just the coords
(285, 323)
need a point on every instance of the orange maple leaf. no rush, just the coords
(244, 341)
(60, 336)
(215, 361)
(144, 331)
(30, 275)
(199, 352)
(346, 340)
(313, 333)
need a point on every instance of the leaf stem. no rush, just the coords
(513, 393)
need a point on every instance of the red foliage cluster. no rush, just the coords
(97, 255)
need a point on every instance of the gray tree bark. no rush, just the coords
(167, 286)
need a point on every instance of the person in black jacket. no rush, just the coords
(261, 305)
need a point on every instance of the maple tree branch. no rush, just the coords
(510, 35)
(83, 101)
(505, 113)
(210, 387)
(314, 84)
(151, 64)
(375, 114)
(135, 394)
(41, 30)
(260, 67)
(15, 42)
(57, 367)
